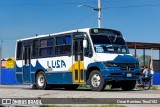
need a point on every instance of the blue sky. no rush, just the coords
(138, 20)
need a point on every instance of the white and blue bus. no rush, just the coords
(93, 56)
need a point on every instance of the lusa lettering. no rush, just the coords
(56, 64)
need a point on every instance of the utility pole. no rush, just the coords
(99, 13)
(98, 9)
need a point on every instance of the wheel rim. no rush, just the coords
(96, 80)
(146, 85)
(41, 80)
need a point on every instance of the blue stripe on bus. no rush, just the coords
(19, 78)
(37, 66)
(59, 77)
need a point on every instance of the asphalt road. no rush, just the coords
(28, 92)
(8, 91)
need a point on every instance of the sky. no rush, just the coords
(138, 20)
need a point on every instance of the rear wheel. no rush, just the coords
(96, 81)
(146, 85)
(41, 82)
(128, 85)
(71, 87)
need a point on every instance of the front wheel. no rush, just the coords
(96, 81)
(128, 85)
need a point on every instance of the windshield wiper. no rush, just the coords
(115, 39)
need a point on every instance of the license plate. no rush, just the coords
(129, 75)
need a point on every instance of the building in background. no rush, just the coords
(3, 63)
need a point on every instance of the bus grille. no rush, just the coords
(127, 66)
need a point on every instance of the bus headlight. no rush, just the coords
(111, 64)
(137, 65)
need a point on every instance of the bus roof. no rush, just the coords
(53, 34)
(39, 36)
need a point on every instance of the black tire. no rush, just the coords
(71, 87)
(128, 85)
(34, 86)
(146, 85)
(41, 82)
(96, 81)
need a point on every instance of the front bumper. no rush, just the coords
(115, 74)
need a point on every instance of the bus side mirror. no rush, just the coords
(84, 43)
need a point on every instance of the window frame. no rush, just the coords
(19, 50)
(39, 47)
(61, 45)
(34, 57)
(46, 47)
(89, 46)
(54, 46)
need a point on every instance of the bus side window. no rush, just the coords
(35, 48)
(88, 50)
(47, 47)
(19, 50)
(63, 45)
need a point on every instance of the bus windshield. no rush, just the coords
(104, 43)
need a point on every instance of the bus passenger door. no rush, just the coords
(27, 64)
(78, 60)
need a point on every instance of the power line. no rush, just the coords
(119, 4)
(48, 4)
(130, 3)
(82, 19)
(147, 5)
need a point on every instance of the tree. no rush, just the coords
(147, 60)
